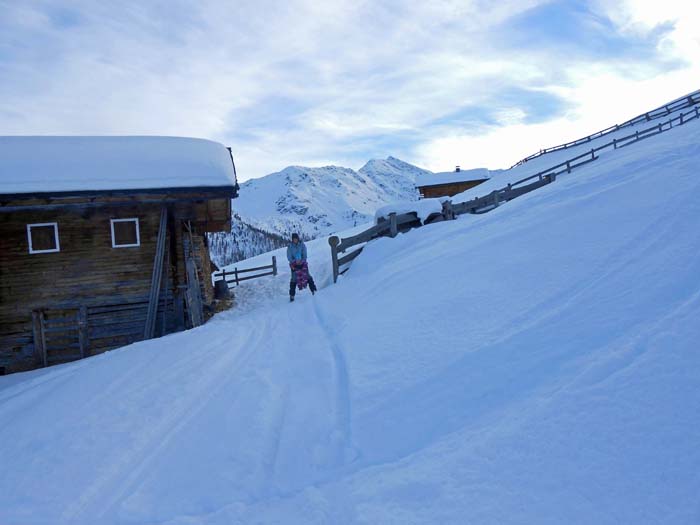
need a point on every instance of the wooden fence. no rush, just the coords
(686, 101)
(395, 223)
(232, 277)
(70, 332)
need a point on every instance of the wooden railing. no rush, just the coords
(232, 277)
(395, 223)
(384, 228)
(686, 101)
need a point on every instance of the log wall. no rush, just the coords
(110, 285)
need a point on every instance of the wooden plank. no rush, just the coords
(83, 335)
(192, 291)
(246, 270)
(157, 274)
(39, 338)
(166, 286)
(349, 257)
(364, 236)
(251, 277)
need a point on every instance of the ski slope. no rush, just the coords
(535, 364)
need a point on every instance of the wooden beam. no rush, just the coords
(193, 295)
(39, 338)
(149, 330)
(83, 337)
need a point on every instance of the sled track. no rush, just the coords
(343, 413)
(91, 505)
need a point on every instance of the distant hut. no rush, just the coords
(449, 183)
(103, 241)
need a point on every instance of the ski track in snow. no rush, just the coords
(342, 392)
(131, 466)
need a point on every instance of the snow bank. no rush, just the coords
(60, 164)
(422, 208)
(535, 364)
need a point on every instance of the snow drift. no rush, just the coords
(535, 364)
(68, 164)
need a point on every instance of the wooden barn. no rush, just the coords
(103, 241)
(450, 183)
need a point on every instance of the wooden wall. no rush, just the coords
(111, 285)
(447, 190)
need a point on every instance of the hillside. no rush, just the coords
(312, 202)
(534, 364)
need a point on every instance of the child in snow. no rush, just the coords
(296, 255)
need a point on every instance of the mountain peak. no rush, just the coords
(320, 200)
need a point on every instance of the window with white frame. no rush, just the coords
(125, 233)
(43, 237)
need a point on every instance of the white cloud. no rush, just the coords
(332, 78)
(602, 93)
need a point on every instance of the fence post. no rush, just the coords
(334, 242)
(568, 166)
(274, 265)
(235, 275)
(593, 154)
(393, 227)
(614, 143)
(447, 211)
(223, 274)
(681, 122)
(495, 198)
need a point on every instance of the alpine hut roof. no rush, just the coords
(451, 177)
(52, 164)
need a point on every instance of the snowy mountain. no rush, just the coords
(312, 202)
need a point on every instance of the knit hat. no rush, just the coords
(295, 236)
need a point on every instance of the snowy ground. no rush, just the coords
(535, 364)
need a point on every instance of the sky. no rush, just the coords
(302, 82)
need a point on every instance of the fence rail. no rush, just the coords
(389, 227)
(235, 279)
(692, 99)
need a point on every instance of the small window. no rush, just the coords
(43, 238)
(125, 233)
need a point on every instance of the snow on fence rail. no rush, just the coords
(395, 223)
(234, 275)
(686, 101)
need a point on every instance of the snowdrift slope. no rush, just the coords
(536, 364)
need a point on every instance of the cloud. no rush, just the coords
(304, 82)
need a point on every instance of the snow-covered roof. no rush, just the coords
(450, 177)
(66, 164)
